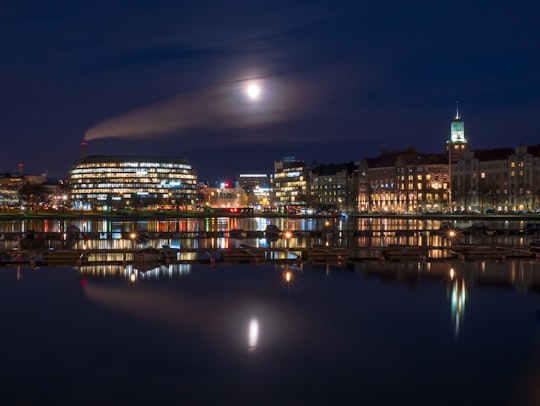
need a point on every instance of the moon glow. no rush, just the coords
(253, 91)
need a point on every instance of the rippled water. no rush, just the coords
(365, 333)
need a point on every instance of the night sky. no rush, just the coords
(338, 80)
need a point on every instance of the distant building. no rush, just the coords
(103, 182)
(256, 186)
(9, 189)
(404, 182)
(497, 179)
(334, 187)
(249, 181)
(289, 183)
(223, 196)
(500, 179)
(32, 191)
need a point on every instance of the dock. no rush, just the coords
(248, 254)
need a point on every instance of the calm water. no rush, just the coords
(367, 333)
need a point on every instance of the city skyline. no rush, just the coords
(234, 88)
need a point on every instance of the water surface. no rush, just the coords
(365, 333)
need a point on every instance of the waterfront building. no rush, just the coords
(9, 190)
(31, 191)
(256, 186)
(289, 183)
(224, 196)
(404, 182)
(500, 179)
(334, 187)
(105, 182)
(457, 147)
(249, 181)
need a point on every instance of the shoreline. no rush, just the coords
(169, 216)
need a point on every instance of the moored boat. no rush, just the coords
(147, 255)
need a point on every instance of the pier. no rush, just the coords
(256, 255)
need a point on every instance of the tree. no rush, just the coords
(32, 194)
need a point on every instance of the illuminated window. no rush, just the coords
(483, 175)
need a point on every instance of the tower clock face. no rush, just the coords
(457, 136)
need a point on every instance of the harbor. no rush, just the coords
(320, 243)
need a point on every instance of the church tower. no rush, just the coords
(458, 144)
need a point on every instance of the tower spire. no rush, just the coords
(457, 110)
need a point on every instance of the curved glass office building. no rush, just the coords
(105, 182)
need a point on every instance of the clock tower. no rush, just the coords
(458, 144)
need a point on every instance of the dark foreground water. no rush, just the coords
(371, 334)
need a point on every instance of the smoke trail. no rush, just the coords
(222, 107)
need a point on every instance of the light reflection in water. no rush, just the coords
(363, 234)
(253, 334)
(458, 297)
(287, 275)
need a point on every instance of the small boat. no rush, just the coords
(168, 254)
(147, 255)
(73, 232)
(272, 232)
(63, 257)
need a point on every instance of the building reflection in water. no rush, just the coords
(135, 272)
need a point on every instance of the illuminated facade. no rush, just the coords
(334, 187)
(289, 183)
(500, 179)
(9, 190)
(105, 182)
(458, 144)
(456, 148)
(256, 187)
(404, 182)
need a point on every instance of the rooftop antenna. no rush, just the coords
(83, 149)
(457, 110)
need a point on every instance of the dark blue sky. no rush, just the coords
(340, 80)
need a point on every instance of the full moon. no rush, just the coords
(253, 91)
